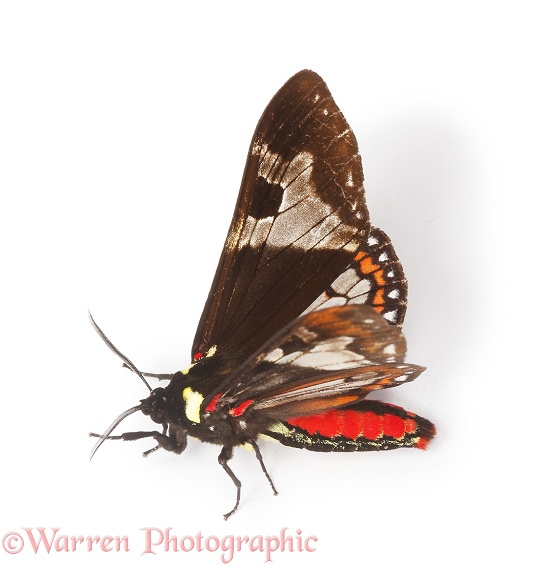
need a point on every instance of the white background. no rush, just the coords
(123, 133)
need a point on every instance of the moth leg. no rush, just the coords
(163, 441)
(262, 465)
(224, 456)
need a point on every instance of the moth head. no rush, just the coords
(155, 406)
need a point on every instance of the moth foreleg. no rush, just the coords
(162, 439)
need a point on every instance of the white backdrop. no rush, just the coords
(124, 128)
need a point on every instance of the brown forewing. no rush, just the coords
(299, 221)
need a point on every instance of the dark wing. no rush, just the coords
(323, 360)
(299, 220)
(375, 277)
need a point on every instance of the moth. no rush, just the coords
(303, 317)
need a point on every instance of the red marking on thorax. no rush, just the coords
(353, 424)
(240, 409)
(213, 403)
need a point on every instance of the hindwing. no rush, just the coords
(374, 277)
(325, 359)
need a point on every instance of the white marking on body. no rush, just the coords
(193, 402)
(390, 349)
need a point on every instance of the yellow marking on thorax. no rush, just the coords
(193, 402)
(187, 369)
(210, 353)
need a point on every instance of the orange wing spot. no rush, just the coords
(359, 256)
(367, 266)
(410, 426)
(379, 297)
(379, 277)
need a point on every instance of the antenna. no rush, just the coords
(126, 361)
(103, 437)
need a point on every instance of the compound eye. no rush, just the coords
(158, 416)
